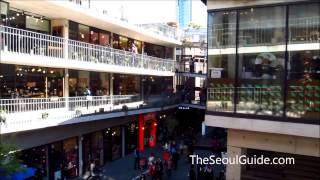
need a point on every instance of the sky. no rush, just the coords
(150, 11)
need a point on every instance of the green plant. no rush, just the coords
(9, 162)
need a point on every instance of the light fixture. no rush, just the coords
(33, 69)
(51, 72)
(18, 14)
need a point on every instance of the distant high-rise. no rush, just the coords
(184, 12)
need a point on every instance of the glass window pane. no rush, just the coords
(221, 61)
(261, 61)
(303, 97)
(221, 29)
(83, 33)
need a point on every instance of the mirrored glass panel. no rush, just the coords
(303, 97)
(261, 61)
(221, 61)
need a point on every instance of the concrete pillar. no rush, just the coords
(80, 138)
(111, 78)
(203, 129)
(142, 80)
(234, 170)
(66, 87)
(123, 141)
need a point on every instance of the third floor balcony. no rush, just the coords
(30, 48)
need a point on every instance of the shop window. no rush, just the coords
(56, 160)
(221, 29)
(73, 30)
(124, 43)
(261, 68)
(36, 158)
(221, 65)
(4, 7)
(83, 33)
(104, 39)
(70, 149)
(115, 41)
(154, 50)
(37, 24)
(303, 97)
(16, 19)
(126, 84)
(138, 44)
(94, 36)
(131, 137)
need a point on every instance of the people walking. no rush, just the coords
(159, 169)
(192, 173)
(136, 158)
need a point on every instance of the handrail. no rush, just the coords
(33, 43)
(10, 106)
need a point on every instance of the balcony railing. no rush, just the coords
(32, 113)
(161, 29)
(157, 28)
(101, 54)
(301, 100)
(31, 43)
(21, 105)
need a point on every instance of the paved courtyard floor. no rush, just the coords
(123, 168)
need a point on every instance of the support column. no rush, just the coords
(111, 78)
(123, 141)
(141, 132)
(66, 87)
(203, 129)
(80, 138)
(234, 170)
(142, 87)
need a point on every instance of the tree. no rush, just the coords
(9, 162)
(194, 25)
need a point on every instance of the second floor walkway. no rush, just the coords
(30, 48)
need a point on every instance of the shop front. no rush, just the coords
(92, 150)
(126, 84)
(147, 130)
(112, 144)
(97, 82)
(30, 82)
(36, 158)
(131, 137)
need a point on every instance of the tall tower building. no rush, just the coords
(184, 12)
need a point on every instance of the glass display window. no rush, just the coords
(84, 34)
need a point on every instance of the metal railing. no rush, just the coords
(10, 106)
(32, 43)
(198, 67)
(157, 28)
(161, 29)
(82, 51)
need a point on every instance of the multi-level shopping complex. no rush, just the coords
(264, 83)
(78, 85)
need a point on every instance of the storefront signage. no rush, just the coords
(3, 8)
(216, 72)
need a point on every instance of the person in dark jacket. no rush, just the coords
(192, 173)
